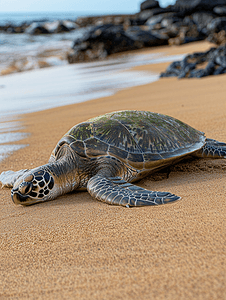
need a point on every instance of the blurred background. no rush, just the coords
(80, 50)
(40, 34)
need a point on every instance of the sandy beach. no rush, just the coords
(78, 248)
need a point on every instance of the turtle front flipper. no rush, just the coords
(212, 149)
(114, 190)
(8, 178)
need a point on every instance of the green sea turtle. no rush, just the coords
(106, 153)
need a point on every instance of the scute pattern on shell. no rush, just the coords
(135, 137)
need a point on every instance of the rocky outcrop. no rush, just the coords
(197, 5)
(103, 40)
(200, 64)
(220, 10)
(10, 28)
(50, 27)
(184, 22)
(36, 28)
(146, 38)
(149, 4)
(101, 20)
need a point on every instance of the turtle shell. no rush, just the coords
(141, 139)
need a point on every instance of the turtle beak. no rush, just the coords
(18, 198)
(21, 199)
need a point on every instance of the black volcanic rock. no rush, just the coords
(149, 4)
(217, 24)
(197, 5)
(40, 27)
(147, 38)
(161, 10)
(141, 17)
(105, 19)
(101, 41)
(36, 28)
(220, 10)
(152, 22)
(218, 38)
(60, 26)
(191, 65)
(202, 19)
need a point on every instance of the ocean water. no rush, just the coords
(28, 17)
(40, 89)
(58, 86)
(17, 47)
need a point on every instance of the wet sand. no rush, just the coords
(78, 248)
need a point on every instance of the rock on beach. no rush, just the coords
(200, 64)
(183, 22)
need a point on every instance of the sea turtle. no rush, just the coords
(106, 153)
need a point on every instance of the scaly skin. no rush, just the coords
(212, 149)
(116, 191)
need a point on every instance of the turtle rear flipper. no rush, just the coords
(8, 178)
(212, 149)
(114, 190)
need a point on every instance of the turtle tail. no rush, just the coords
(114, 190)
(212, 149)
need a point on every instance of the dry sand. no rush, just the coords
(78, 248)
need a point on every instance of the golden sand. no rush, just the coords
(78, 248)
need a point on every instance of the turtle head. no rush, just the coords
(34, 186)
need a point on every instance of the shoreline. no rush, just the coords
(79, 83)
(77, 247)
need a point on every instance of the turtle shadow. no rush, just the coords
(189, 165)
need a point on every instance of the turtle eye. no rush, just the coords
(25, 188)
